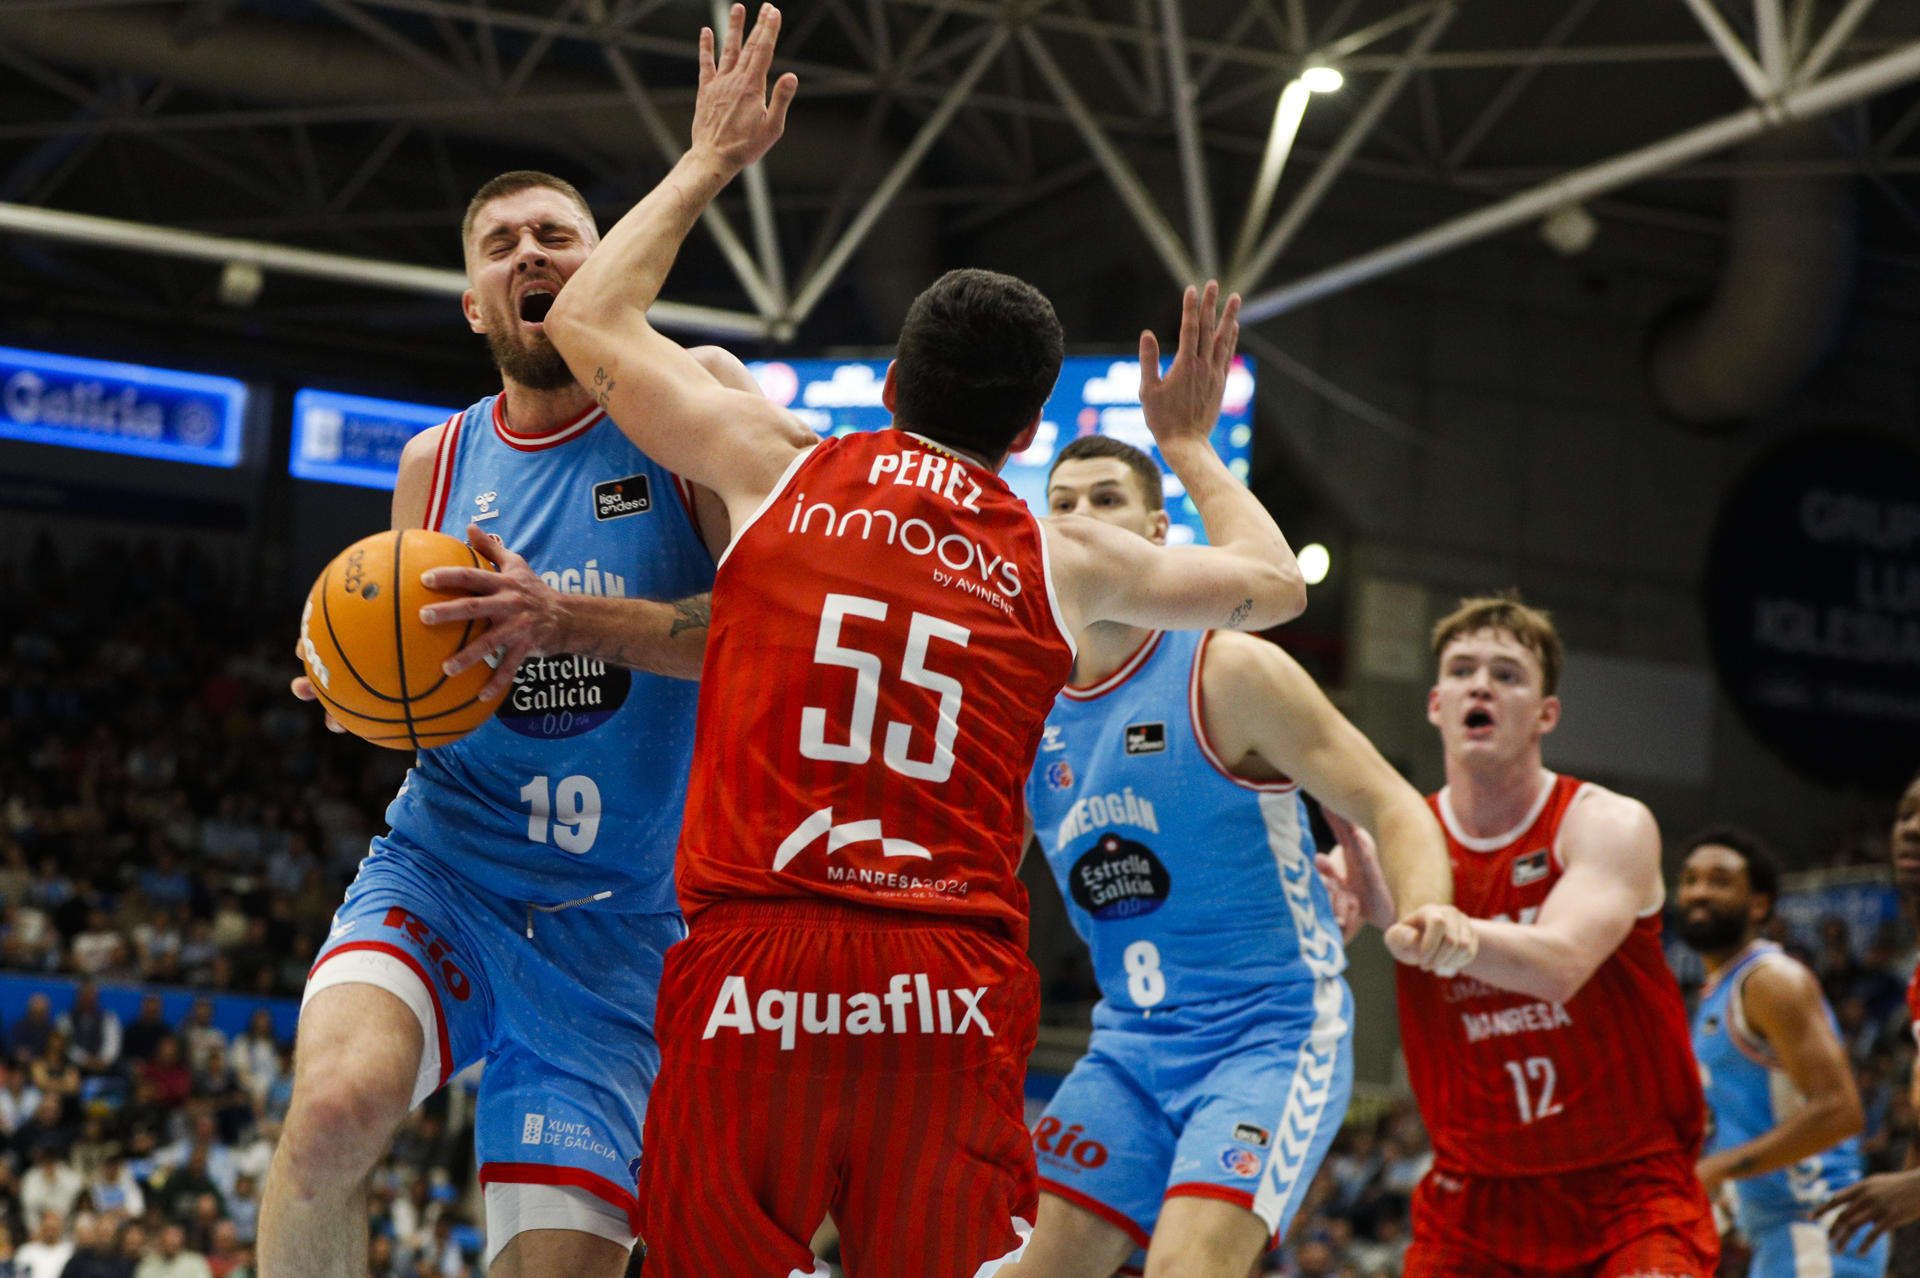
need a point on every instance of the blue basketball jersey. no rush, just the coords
(572, 793)
(1188, 884)
(1748, 1094)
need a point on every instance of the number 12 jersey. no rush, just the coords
(885, 648)
(1511, 1085)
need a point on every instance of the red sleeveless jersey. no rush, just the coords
(1913, 1005)
(1513, 1086)
(885, 648)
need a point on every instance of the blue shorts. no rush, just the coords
(563, 1019)
(1801, 1249)
(1236, 1100)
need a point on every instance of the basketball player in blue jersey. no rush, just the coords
(1786, 1113)
(1166, 797)
(519, 908)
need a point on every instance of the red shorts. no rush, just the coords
(1644, 1219)
(822, 1058)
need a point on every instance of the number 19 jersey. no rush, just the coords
(885, 647)
(1511, 1085)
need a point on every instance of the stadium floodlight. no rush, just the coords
(1322, 79)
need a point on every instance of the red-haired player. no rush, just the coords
(1555, 1071)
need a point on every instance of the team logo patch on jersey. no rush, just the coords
(564, 696)
(487, 509)
(1050, 738)
(618, 498)
(1240, 1162)
(1530, 868)
(1248, 1134)
(1060, 775)
(1146, 738)
(1119, 879)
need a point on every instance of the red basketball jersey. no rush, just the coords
(1913, 1005)
(885, 648)
(1513, 1086)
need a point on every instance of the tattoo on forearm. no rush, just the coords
(603, 388)
(1240, 613)
(691, 614)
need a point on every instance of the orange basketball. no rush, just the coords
(375, 666)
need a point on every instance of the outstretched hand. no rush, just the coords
(733, 118)
(1877, 1204)
(1185, 403)
(525, 616)
(1434, 938)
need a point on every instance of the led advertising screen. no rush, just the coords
(1096, 394)
(121, 408)
(354, 439)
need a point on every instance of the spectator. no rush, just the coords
(97, 947)
(28, 1036)
(46, 1254)
(201, 1034)
(255, 1056)
(93, 1250)
(243, 1208)
(93, 1031)
(146, 1031)
(92, 1149)
(18, 1098)
(171, 1259)
(115, 1191)
(223, 1257)
(55, 1075)
(50, 1185)
(380, 1261)
(205, 1216)
(128, 1248)
(176, 1189)
(167, 1074)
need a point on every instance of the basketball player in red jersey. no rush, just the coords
(1555, 1071)
(1892, 1200)
(847, 1027)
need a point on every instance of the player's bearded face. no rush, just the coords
(1713, 925)
(523, 249)
(525, 357)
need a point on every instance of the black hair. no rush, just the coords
(1763, 867)
(979, 353)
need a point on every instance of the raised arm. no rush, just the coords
(732, 441)
(1246, 578)
(1258, 704)
(1783, 1005)
(1610, 846)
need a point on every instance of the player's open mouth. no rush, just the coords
(1478, 718)
(536, 302)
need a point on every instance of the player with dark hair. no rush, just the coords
(1779, 1087)
(847, 1027)
(1891, 1200)
(521, 903)
(1166, 795)
(1554, 1072)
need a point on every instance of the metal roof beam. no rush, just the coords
(1805, 102)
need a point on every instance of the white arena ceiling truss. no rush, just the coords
(330, 139)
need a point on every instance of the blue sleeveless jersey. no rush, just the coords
(572, 793)
(1748, 1093)
(1186, 883)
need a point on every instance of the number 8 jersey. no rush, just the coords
(1511, 1085)
(885, 647)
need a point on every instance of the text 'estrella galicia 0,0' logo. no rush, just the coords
(564, 696)
(1119, 879)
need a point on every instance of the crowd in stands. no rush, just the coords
(170, 816)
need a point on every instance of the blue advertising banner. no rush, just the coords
(1096, 394)
(121, 408)
(354, 439)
